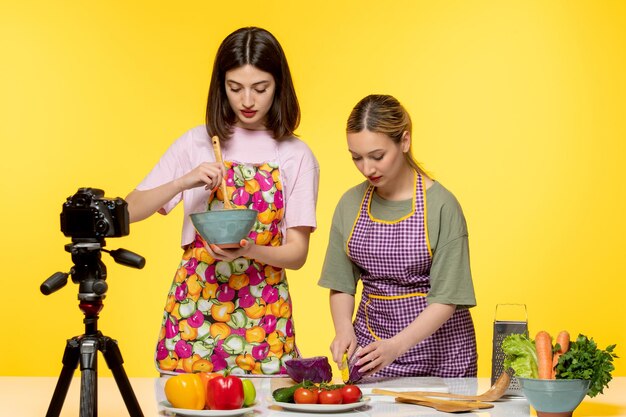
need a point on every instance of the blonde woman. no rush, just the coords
(405, 237)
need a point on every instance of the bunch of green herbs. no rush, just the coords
(584, 360)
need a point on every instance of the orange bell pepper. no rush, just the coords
(186, 391)
(205, 377)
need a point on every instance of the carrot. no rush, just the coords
(543, 346)
(563, 342)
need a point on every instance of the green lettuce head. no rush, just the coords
(520, 355)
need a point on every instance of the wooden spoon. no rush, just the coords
(218, 158)
(494, 393)
(452, 407)
(441, 405)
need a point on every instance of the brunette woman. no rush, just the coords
(229, 310)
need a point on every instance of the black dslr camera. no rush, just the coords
(87, 217)
(87, 214)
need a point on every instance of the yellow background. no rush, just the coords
(518, 108)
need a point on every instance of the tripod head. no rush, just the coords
(89, 272)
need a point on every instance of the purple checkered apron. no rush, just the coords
(395, 260)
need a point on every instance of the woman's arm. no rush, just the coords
(291, 255)
(342, 309)
(379, 354)
(143, 204)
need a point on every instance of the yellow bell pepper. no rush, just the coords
(185, 391)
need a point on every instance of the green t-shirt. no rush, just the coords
(450, 275)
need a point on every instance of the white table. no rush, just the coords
(30, 396)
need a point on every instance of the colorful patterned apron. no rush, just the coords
(232, 316)
(395, 260)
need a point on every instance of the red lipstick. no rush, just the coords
(248, 114)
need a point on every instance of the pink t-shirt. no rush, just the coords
(298, 168)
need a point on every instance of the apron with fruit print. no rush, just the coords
(232, 316)
(395, 260)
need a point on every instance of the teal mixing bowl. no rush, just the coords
(554, 395)
(224, 228)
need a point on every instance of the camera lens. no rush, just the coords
(101, 227)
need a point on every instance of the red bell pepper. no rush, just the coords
(224, 393)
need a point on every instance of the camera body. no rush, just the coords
(89, 215)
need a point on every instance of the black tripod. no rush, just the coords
(90, 273)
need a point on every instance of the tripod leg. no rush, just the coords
(89, 376)
(70, 363)
(88, 393)
(114, 361)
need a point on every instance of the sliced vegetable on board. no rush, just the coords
(350, 372)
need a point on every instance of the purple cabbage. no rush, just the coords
(315, 369)
(350, 372)
(354, 371)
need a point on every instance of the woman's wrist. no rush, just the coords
(253, 252)
(343, 327)
(178, 185)
(402, 343)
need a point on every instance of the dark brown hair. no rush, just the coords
(259, 48)
(383, 114)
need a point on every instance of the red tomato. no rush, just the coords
(332, 396)
(350, 394)
(305, 396)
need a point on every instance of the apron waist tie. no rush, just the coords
(386, 297)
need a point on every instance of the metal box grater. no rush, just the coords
(501, 329)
